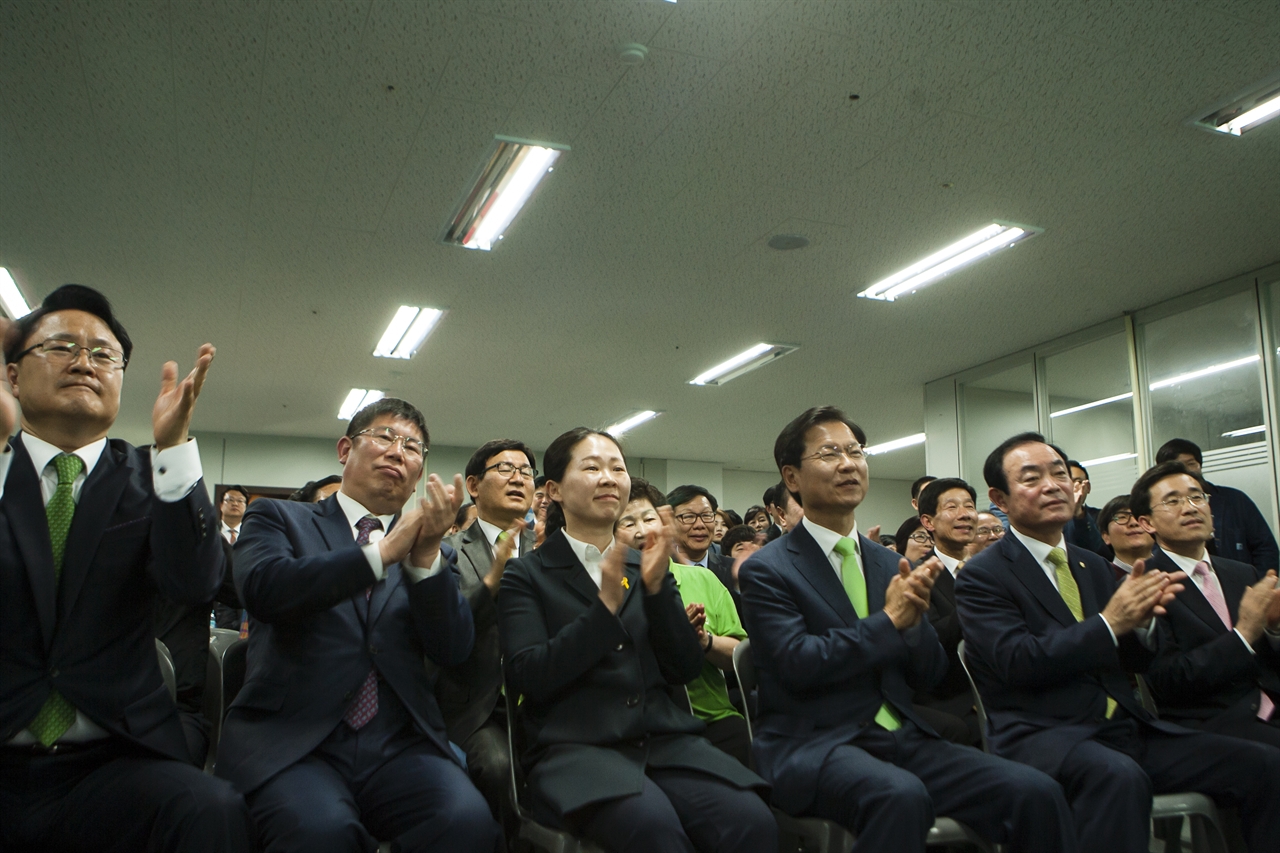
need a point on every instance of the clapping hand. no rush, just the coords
(1140, 596)
(697, 614)
(906, 599)
(171, 415)
(439, 508)
(508, 542)
(655, 559)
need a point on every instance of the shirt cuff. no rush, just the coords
(374, 556)
(175, 471)
(1110, 630)
(1243, 640)
(416, 574)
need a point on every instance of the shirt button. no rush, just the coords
(633, 701)
(618, 647)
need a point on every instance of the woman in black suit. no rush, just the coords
(593, 634)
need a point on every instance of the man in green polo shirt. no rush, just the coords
(711, 610)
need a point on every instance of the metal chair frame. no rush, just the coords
(220, 640)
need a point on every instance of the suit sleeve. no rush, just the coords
(276, 585)
(441, 615)
(1184, 676)
(805, 661)
(187, 561)
(542, 665)
(673, 638)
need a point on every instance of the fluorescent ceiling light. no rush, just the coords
(1237, 433)
(356, 400)
(1244, 112)
(896, 444)
(1105, 460)
(510, 174)
(1080, 408)
(1204, 371)
(406, 331)
(631, 422)
(14, 303)
(976, 246)
(757, 356)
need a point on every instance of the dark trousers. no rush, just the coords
(888, 787)
(680, 811)
(489, 765)
(1111, 778)
(114, 796)
(956, 729)
(384, 782)
(1254, 729)
(730, 736)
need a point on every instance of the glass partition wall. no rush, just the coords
(1111, 395)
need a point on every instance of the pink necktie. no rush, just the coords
(365, 708)
(1213, 594)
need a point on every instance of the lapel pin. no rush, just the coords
(1082, 564)
(625, 584)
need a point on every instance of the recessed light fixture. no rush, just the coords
(406, 331)
(1204, 371)
(511, 172)
(631, 422)
(978, 245)
(14, 304)
(356, 400)
(757, 356)
(1128, 395)
(1243, 113)
(1107, 460)
(1238, 433)
(896, 444)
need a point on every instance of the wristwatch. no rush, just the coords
(710, 639)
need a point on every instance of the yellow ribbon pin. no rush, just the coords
(625, 585)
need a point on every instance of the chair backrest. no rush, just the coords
(508, 698)
(745, 671)
(1144, 696)
(213, 704)
(166, 669)
(977, 698)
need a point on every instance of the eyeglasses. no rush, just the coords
(989, 531)
(921, 538)
(506, 469)
(384, 437)
(64, 352)
(830, 454)
(230, 500)
(1080, 480)
(1123, 517)
(1195, 499)
(688, 518)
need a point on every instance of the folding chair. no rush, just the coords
(818, 835)
(220, 639)
(1166, 809)
(166, 669)
(537, 835)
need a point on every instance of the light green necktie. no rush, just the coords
(57, 714)
(1070, 592)
(855, 586)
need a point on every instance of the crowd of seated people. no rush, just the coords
(396, 645)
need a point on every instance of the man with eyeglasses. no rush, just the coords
(1050, 639)
(1221, 670)
(1123, 534)
(93, 755)
(336, 738)
(840, 642)
(227, 612)
(500, 479)
(694, 509)
(988, 532)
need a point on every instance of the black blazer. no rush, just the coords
(91, 637)
(946, 622)
(469, 692)
(596, 709)
(1204, 676)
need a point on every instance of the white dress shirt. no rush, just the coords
(1188, 565)
(228, 530)
(491, 534)
(827, 540)
(354, 511)
(590, 556)
(947, 560)
(174, 473)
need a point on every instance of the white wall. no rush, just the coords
(888, 503)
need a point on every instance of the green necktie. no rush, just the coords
(1070, 592)
(855, 586)
(57, 714)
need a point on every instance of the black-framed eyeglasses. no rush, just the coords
(688, 518)
(62, 352)
(921, 538)
(384, 437)
(830, 454)
(1122, 518)
(506, 469)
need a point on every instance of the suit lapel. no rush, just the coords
(1191, 596)
(945, 587)
(815, 568)
(24, 505)
(1031, 574)
(559, 557)
(476, 548)
(1089, 603)
(331, 523)
(99, 497)
(877, 571)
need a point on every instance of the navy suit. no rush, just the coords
(1205, 678)
(314, 783)
(1240, 532)
(89, 636)
(1045, 677)
(823, 675)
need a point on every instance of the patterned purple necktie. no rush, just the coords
(365, 708)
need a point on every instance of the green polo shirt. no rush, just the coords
(708, 694)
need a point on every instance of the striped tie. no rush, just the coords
(855, 586)
(1070, 593)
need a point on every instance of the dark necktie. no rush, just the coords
(365, 706)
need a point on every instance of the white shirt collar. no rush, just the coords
(589, 555)
(1187, 564)
(490, 531)
(826, 538)
(354, 511)
(42, 453)
(226, 528)
(1038, 549)
(1124, 567)
(950, 562)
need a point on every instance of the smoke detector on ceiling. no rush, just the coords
(633, 54)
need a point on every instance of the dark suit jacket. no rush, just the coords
(1240, 532)
(1044, 677)
(1204, 676)
(823, 672)
(946, 622)
(596, 708)
(313, 637)
(469, 692)
(91, 636)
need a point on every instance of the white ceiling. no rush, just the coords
(240, 172)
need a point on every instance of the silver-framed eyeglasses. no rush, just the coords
(61, 352)
(384, 437)
(1195, 499)
(688, 518)
(506, 469)
(830, 454)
